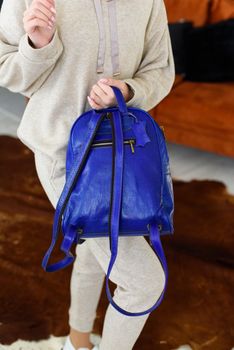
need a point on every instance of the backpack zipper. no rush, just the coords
(130, 142)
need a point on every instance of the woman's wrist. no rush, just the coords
(35, 46)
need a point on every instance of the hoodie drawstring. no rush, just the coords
(101, 49)
(113, 35)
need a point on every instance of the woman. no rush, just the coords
(64, 55)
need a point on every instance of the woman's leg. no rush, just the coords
(86, 285)
(140, 280)
(87, 275)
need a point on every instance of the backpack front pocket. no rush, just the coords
(103, 143)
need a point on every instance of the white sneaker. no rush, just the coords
(94, 339)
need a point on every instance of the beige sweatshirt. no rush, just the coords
(123, 39)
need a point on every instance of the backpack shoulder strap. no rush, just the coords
(74, 173)
(117, 174)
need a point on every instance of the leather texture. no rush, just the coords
(118, 183)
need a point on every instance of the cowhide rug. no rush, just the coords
(197, 309)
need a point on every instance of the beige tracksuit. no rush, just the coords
(124, 39)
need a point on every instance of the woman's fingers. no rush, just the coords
(93, 104)
(45, 6)
(37, 22)
(106, 88)
(102, 94)
(41, 12)
(97, 94)
(95, 97)
(43, 22)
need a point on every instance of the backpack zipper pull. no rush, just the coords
(131, 144)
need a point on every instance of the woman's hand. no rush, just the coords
(39, 22)
(102, 95)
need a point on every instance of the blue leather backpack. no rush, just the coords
(118, 183)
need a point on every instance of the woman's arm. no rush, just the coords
(23, 69)
(156, 73)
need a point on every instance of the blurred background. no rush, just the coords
(198, 121)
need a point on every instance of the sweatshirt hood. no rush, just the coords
(113, 36)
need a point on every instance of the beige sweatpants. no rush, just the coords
(137, 273)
